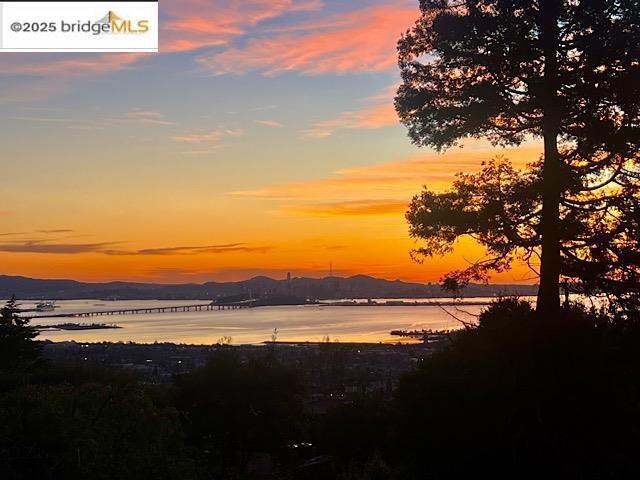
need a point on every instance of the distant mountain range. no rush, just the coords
(358, 286)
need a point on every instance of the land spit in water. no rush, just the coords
(77, 326)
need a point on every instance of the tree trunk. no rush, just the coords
(549, 292)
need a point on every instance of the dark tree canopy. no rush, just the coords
(476, 68)
(512, 70)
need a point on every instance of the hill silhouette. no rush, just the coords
(357, 286)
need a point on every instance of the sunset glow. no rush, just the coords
(261, 140)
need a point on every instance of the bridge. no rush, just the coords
(145, 310)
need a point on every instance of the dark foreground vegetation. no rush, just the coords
(515, 397)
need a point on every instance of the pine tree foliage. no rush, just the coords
(564, 71)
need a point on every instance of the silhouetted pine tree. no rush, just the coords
(18, 351)
(565, 71)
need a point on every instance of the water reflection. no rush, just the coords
(255, 325)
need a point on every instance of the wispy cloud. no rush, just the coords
(189, 25)
(269, 123)
(55, 230)
(75, 120)
(42, 119)
(146, 117)
(49, 246)
(388, 186)
(40, 246)
(358, 41)
(212, 136)
(196, 250)
(317, 132)
(68, 65)
(378, 112)
(397, 178)
(194, 24)
(51, 231)
(44, 75)
(366, 208)
(197, 153)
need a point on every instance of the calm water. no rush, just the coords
(253, 325)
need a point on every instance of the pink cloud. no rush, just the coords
(358, 41)
(379, 113)
(68, 65)
(269, 123)
(52, 72)
(146, 117)
(195, 24)
(191, 24)
(206, 137)
(375, 116)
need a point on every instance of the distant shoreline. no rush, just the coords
(345, 299)
(445, 296)
(327, 288)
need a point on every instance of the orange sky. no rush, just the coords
(261, 140)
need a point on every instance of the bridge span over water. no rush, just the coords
(144, 310)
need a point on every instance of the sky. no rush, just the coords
(261, 140)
